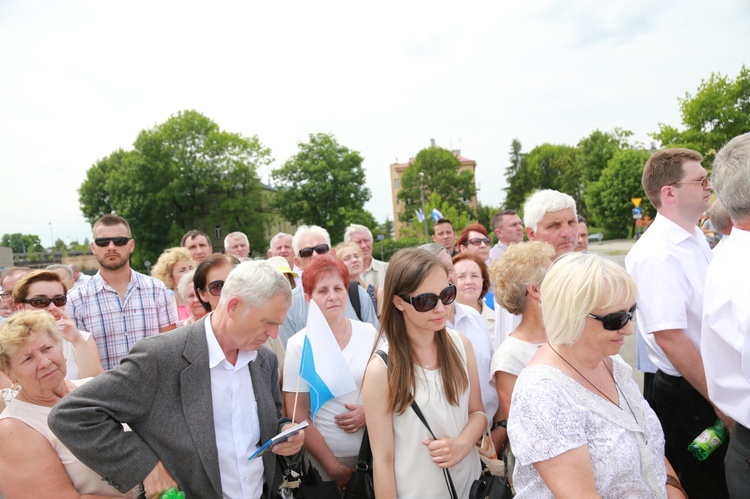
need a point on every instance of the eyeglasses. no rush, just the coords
(5, 295)
(103, 242)
(476, 241)
(616, 320)
(320, 249)
(215, 287)
(44, 301)
(703, 181)
(427, 301)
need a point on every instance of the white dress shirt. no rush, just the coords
(725, 343)
(235, 421)
(669, 265)
(468, 322)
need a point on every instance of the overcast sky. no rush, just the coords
(79, 80)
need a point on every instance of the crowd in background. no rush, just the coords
(123, 384)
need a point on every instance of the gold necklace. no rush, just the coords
(346, 330)
(32, 399)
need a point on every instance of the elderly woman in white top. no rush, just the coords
(578, 424)
(33, 462)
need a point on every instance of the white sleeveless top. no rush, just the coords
(84, 479)
(416, 475)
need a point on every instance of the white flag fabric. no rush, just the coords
(322, 364)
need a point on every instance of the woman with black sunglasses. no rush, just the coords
(578, 424)
(432, 366)
(210, 276)
(43, 290)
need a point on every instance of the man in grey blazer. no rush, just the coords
(198, 400)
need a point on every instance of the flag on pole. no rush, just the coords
(420, 215)
(436, 215)
(322, 364)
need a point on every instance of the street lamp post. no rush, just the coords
(424, 213)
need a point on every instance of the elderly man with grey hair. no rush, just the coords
(374, 269)
(237, 244)
(199, 401)
(65, 272)
(726, 322)
(309, 242)
(550, 216)
(722, 222)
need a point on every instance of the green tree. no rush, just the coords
(519, 184)
(22, 243)
(415, 228)
(323, 184)
(183, 174)
(595, 151)
(609, 197)
(386, 228)
(719, 111)
(441, 175)
(554, 167)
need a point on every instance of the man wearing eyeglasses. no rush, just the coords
(119, 306)
(669, 265)
(308, 243)
(10, 276)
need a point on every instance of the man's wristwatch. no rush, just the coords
(498, 424)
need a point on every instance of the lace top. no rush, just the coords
(552, 413)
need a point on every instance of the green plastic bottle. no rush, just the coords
(172, 494)
(708, 441)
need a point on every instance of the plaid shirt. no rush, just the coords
(118, 324)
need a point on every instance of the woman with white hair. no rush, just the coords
(578, 424)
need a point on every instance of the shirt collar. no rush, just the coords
(216, 354)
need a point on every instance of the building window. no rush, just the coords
(217, 232)
(396, 183)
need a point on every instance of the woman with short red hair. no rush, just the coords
(333, 439)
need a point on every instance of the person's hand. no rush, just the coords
(158, 481)
(342, 474)
(728, 422)
(499, 438)
(446, 452)
(353, 420)
(67, 328)
(292, 445)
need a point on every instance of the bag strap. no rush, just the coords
(418, 412)
(354, 298)
(364, 461)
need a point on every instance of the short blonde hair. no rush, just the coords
(521, 264)
(576, 284)
(166, 262)
(18, 329)
(347, 245)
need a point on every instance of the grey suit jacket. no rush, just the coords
(162, 390)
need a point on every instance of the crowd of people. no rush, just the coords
(127, 385)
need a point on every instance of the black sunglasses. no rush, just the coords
(427, 301)
(103, 242)
(476, 241)
(319, 249)
(43, 301)
(215, 287)
(616, 320)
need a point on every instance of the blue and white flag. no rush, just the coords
(436, 215)
(420, 215)
(322, 364)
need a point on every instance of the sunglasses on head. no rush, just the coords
(43, 301)
(476, 241)
(215, 287)
(103, 242)
(319, 249)
(427, 301)
(616, 320)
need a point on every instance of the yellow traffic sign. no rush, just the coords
(636, 201)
